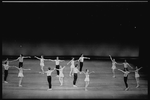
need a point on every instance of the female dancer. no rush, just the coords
(87, 79)
(21, 60)
(6, 67)
(61, 75)
(72, 66)
(81, 60)
(113, 66)
(20, 75)
(126, 72)
(41, 63)
(137, 76)
(49, 78)
(75, 71)
(57, 61)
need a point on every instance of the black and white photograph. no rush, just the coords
(75, 49)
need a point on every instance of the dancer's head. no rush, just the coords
(57, 58)
(136, 67)
(60, 67)
(49, 68)
(41, 56)
(76, 65)
(21, 55)
(72, 58)
(113, 60)
(86, 70)
(82, 55)
(6, 61)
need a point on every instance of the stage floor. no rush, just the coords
(102, 84)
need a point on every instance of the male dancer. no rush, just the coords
(57, 61)
(126, 64)
(49, 78)
(20, 58)
(126, 72)
(81, 60)
(6, 67)
(75, 71)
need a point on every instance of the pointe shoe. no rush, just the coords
(20, 85)
(61, 84)
(127, 89)
(74, 86)
(137, 86)
(5, 81)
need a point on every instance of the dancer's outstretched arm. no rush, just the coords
(26, 69)
(16, 67)
(86, 58)
(121, 70)
(12, 66)
(79, 59)
(119, 63)
(92, 72)
(46, 59)
(63, 67)
(37, 57)
(26, 57)
(61, 60)
(83, 72)
(69, 62)
(139, 68)
(130, 66)
(110, 58)
(53, 69)
(15, 59)
(51, 60)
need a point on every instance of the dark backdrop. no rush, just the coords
(95, 29)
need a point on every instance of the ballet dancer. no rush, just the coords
(72, 66)
(81, 60)
(20, 58)
(87, 79)
(6, 67)
(20, 75)
(137, 75)
(126, 72)
(41, 63)
(75, 72)
(113, 66)
(61, 75)
(49, 78)
(126, 65)
(57, 61)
